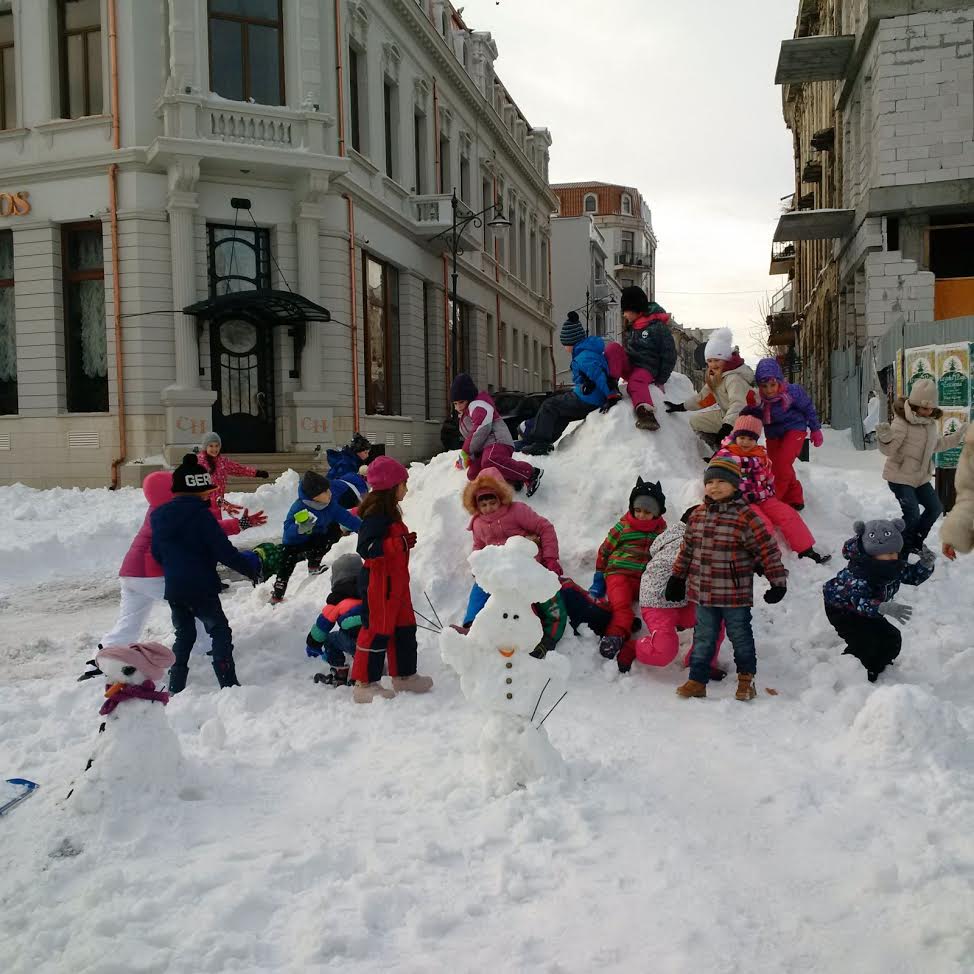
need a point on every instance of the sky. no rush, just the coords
(677, 99)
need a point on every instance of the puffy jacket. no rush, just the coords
(957, 529)
(349, 490)
(138, 561)
(625, 550)
(221, 468)
(722, 544)
(757, 477)
(325, 516)
(853, 591)
(343, 609)
(189, 544)
(662, 555)
(342, 462)
(385, 575)
(910, 442)
(481, 425)
(590, 371)
(734, 391)
(792, 409)
(649, 344)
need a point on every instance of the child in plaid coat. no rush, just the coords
(724, 540)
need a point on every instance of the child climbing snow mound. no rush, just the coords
(220, 468)
(333, 635)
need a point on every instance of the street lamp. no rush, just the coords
(609, 302)
(498, 224)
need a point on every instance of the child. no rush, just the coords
(622, 558)
(141, 576)
(758, 487)
(220, 468)
(728, 387)
(310, 529)
(860, 597)
(909, 443)
(334, 633)
(389, 625)
(349, 458)
(650, 349)
(957, 531)
(724, 541)
(189, 544)
(590, 389)
(787, 412)
(487, 441)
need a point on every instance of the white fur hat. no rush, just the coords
(720, 345)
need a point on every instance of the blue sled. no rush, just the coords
(29, 788)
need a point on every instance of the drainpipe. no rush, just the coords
(340, 79)
(116, 262)
(497, 295)
(446, 332)
(551, 346)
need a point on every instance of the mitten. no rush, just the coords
(409, 541)
(883, 431)
(896, 610)
(775, 594)
(229, 507)
(927, 558)
(255, 520)
(676, 589)
(256, 566)
(674, 407)
(597, 589)
(610, 402)
(263, 474)
(463, 460)
(313, 651)
(725, 430)
(817, 438)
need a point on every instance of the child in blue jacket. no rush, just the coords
(336, 629)
(859, 601)
(310, 529)
(349, 459)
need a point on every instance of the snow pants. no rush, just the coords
(583, 609)
(500, 456)
(787, 520)
(312, 551)
(661, 645)
(638, 386)
(873, 640)
(138, 596)
(617, 361)
(622, 591)
(556, 413)
(783, 452)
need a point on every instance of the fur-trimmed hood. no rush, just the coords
(903, 409)
(489, 478)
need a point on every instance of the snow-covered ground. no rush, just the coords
(827, 828)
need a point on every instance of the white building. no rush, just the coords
(172, 155)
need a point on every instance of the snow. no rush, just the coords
(825, 828)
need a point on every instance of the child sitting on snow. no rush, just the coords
(333, 635)
(860, 598)
(758, 489)
(349, 458)
(221, 468)
(622, 558)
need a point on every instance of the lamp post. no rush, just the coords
(609, 302)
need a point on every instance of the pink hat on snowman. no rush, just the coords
(152, 659)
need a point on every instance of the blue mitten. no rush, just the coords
(597, 590)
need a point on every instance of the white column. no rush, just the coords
(309, 284)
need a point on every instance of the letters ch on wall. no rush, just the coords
(15, 204)
(310, 425)
(191, 424)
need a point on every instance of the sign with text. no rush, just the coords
(15, 204)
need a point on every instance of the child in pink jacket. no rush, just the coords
(496, 516)
(140, 577)
(221, 468)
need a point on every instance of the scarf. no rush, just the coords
(875, 572)
(783, 398)
(117, 692)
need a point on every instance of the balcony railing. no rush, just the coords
(782, 258)
(783, 299)
(627, 258)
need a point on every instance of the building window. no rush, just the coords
(8, 73)
(390, 113)
(503, 355)
(8, 329)
(626, 204)
(465, 179)
(600, 324)
(247, 50)
(79, 29)
(85, 337)
(515, 373)
(591, 203)
(512, 234)
(537, 364)
(598, 272)
(356, 87)
(534, 260)
(419, 152)
(628, 242)
(381, 301)
(445, 182)
(526, 363)
(459, 338)
(544, 269)
(491, 347)
(522, 246)
(238, 258)
(486, 197)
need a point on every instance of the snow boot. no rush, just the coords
(414, 683)
(338, 677)
(692, 688)
(177, 677)
(535, 482)
(226, 673)
(818, 558)
(367, 692)
(537, 449)
(610, 645)
(745, 687)
(317, 569)
(646, 418)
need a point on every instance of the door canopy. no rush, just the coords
(275, 307)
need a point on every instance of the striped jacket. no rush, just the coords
(722, 544)
(346, 614)
(625, 550)
(757, 478)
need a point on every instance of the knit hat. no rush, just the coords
(748, 424)
(720, 345)
(152, 659)
(463, 389)
(880, 537)
(209, 438)
(489, 481)
(768, 368)
(572, 331)
(633, 298)
(386, 473)
(358, 444)
(923, 393)
(347, 566)
(723, 468)
(650, 497)
(313, 483)
(190, 478)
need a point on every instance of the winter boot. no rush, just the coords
(537, 448)
(610, 645)
(412, 684)
(317, 569)
(535, 482)
(646, 418)
(338, 677)
(819, 559)
(367, 692)
(692, 688)
(226, 673)
(745, 687)
(177, 677)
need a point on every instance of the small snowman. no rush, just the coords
(136, 750)
(499, 674)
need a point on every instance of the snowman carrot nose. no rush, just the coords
(507, 653)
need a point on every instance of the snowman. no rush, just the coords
(497, 671)
(136, 751)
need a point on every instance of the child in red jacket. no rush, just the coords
(622, 559)
(388, 621)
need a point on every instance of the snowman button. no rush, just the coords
(510, 696)
(509, 665)
(508, 680)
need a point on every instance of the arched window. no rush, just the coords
(591, 204)
(626, 204)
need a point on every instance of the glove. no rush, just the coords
(463, 461)
(725, 430)
(896, 610)
(255, 520)
(409, 541)
(817, 438)
(883, 430)
(543, 648)
(263, 474)
(949, 553)
(775, 594)
(230, 508)
(674, 407)
(614, 397)
(676, 589)
(313, 651)
(597, 589)
(927, 558)
(256, 566)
